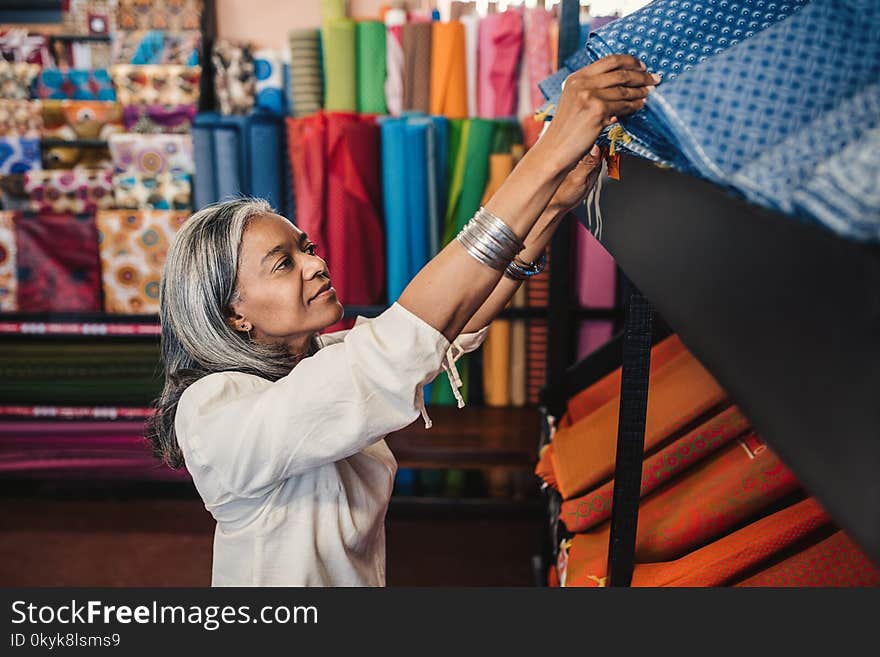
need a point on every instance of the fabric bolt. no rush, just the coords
(416, 39)
(471, 23)
(370, 60)
(332, 10)
(394, 60)
(90, 17)
(157, 47)
(269, 71)
(133, 246)
(150, 85)
(173, 15)
(395, 193)
(79, 120)
(679, 392)
(835, 561)
(8, 249)
(714, 497)
(75, 191)
(152, 154)
(518, 346)
(75, 84)
(307, 150)
(500, 45)
(19, 154)
(585, 512)
(18, 45)
(160, 191)
(340, 66)
(57, 262)
(306, 72)
(16, 79)
(235, 79)
(448, 70)
(152, 119)
(539, 65)
(721, 562)
(471, 175)
(21, 118)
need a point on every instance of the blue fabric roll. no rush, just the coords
(395, 192)
(437, 152)
(266, 145)
(417, 130)
(228, 158)
(205, 178)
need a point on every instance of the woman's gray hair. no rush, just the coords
(199, 282)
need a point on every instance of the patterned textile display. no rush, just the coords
(82, 55)
(21, 118)
(16, 45)
(173, 15)
(133, 246)
(162, 191)
(75, 84)
(587, 511)
(19, 154)
(16, 79)
(306, 78)
(149, 85)
(836, 561)
(69, 191)
(81, 119)
(12, 191)
(235, 80)
(152, 154)
(157, 47)
(702, 505)
(90, 17)
(269, 71)
(8, 281)
(58, 266)
(150, 119)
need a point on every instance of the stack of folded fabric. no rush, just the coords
(306, 87)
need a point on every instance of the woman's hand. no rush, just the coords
(577, 183)
(593, 98)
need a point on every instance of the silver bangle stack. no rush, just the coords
(489, 240)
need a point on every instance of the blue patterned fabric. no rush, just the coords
(787, 117)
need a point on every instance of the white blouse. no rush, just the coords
(296, 472)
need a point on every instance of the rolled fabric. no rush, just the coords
(679, 392)
(156, 47)
(307, 150)
(69, 191)
(370, 59)
(134, 190)
(518, 346)
(21, 118)
(156, 85)
(538, 60)
(152, 154)
(269, 73)
(417, 67)
(151, 119)
(8, 269)
(394, 60)
(340, 69)
(471, 172)
(500, 44)
(306, 72)
(471, 24)
(58, 265)
(75, 84)
(396, 188)
(19, 154)
(416, 140)
(448, 70)
(437, 145)
(585, 512)
(332, 10)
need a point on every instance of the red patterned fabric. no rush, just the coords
(58, 264)
(836, 561)
(585, 512)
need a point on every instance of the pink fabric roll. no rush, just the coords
(537, 48)
(394, 20)
(500, 42)
(596, 276)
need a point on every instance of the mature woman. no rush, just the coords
(281, 427)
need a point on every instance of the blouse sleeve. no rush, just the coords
(251, 433)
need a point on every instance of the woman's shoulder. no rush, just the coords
(219, 387)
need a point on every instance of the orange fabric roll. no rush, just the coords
(448, 71)
(518, 353)
(836, 561)
(496, 364)
(734, 485)
(679, 392)
(544, 468)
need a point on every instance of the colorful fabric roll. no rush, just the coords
(90, 17)
(448, 70)
(269, 72)
(235, 80)
(162, 191)
(332, 10)
(416, 39)
(307, 149)
(370, 58)
(471, 23)
(174, 15)
(75, 84)
(500, 45)
(81, 119)
(470, 172)
(58, 267)
(21, 118)
(18, 45)
(16, 80)
(152, 154)
(835, 561)
(585, 512)
(157, 47)
(75, 191)
(340, 68)
(539, 64)
(151, 119)
(152, 85)
(133, 247)
(394, 60)
(8, 268)
(306, 77)
(19, 154)
(697, 508)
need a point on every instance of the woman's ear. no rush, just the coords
(237, 321)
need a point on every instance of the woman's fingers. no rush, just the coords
(618, 108)
(610, 63)
(623, 93)
(626, 78)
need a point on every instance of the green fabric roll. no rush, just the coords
(458, 138)
(507, 133)
(371, 68)
(340, 72)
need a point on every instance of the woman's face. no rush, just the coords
(284, 289)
